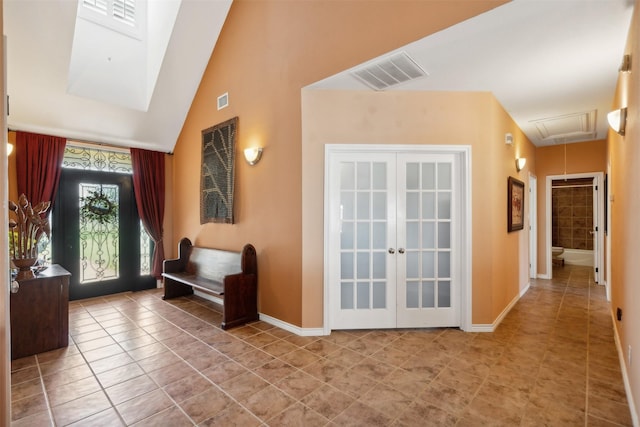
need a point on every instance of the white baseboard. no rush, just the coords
(625, 376)
(304, 332)
(491, 327)
(544, 276)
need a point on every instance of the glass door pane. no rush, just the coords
(426, 202)
(363, 296)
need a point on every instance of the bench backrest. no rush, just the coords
(213, 264)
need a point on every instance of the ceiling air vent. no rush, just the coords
(567, 128)
(388, 72)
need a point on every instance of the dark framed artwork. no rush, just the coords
(217, 176)
(515, 204)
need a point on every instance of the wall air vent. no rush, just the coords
(396, 69)
(568, 128)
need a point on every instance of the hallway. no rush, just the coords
(135, 359)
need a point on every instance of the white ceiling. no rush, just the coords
(541, 58)
(550, 63)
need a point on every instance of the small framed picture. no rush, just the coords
(515, 204)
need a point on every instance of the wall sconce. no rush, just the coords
(9, 149)
(253, 155)
(618, 120)
(520, 162)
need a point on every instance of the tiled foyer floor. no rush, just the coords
(135, 359)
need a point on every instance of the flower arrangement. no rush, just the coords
(27, 228)
(98, 207)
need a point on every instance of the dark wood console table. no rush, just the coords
(40, 313)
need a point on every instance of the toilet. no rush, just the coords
(556, 255)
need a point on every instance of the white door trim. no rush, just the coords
(464, 153)
(533, 226)
(599, 180)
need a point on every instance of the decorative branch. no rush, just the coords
(27, 228)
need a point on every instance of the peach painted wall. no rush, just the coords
(267, 52)
(499, 265)
(582, 157)
(624, 158)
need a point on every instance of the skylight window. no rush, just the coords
(123, 16)
(125, 11)
(97, 5)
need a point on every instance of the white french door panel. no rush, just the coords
(393, 239)
(428, 233)
(361, 262)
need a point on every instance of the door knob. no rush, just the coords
(14, 286)
(392, 251)
(401, 250)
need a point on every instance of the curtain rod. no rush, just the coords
(81, 142)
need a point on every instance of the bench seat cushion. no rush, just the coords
(213, 286)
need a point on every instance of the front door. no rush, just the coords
(97, 233)
(393, 240)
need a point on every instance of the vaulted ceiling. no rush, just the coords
(551, 64)
(70, 75)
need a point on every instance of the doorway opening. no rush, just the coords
(97, 235)
(575, 228)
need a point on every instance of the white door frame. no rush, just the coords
(599, 181)
(533, 226)
(607, 282)
(464, 153)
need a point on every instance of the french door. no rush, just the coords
(97, 233)
(394, 233)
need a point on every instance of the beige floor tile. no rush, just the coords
(274, 370)
(187, 387)
(268, 402)
(107, 418)
(119, 374)
(144, 406)
(419, 412)
(535, 369)
(224, 371)
(204, 405)
(81, 408)
(63, 394)
(298, 415)
(173, 417)
(299, 384)
(39, 419)
(235, 416)
(28, 406)
(26, 389)
(328, 401)
(360, 414)
(353, 383)
(609, 410)
(244, 385)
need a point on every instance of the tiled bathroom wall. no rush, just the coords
(572, 213)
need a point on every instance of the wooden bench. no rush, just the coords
(230, 276)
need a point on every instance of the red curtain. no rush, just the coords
(148, 186)
(38, 165)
